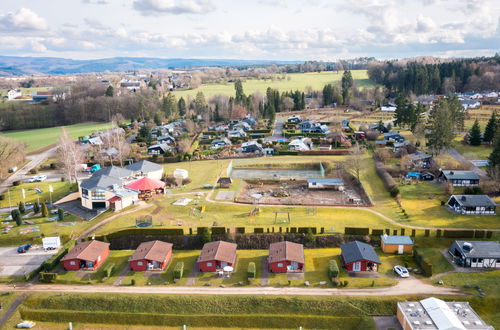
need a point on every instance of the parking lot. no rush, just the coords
(19, 264)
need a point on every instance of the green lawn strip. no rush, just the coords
(61, 189)
(439, 263)
(36, 139)
(6, 299)
(473, 152)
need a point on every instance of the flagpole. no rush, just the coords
(10, 206)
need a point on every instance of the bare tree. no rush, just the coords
(69, 155)
(184, 145)
(355, 162)
(12, 152)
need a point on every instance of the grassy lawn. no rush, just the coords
(436, 258)
(6, 299)
(36, 139)
(293, 81)
(473, 152)
(61, 189)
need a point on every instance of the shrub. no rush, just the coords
(240, 230)
(186, 181)
(53, 166)
(16, 183)
(251, 271)
(132, 281)
(16, 216)
(333, 269)
(48, 277)
(45, 210)
(258, 230)
(377, 232)
(63, 179)
(2, 197)
(346, 283)
(108, 271)
(356, 231)
(218, 230)
(22, 208)
(178, 270)
(36, 207)
(60, 214)
(394, 191)
(34, 171)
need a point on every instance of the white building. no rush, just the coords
(51, 243)
(13, 94)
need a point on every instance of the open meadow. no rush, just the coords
(291, 81)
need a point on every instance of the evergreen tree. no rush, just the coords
(36, 208)
(440, 130)
(181, 105)
(110, 91)
(347, 81)
(16, 216)
(22, 208)
(240, 97)
(491, 128)
(170, 106)
(494, 158)
(475, 134)
(217, 117)
(157, 119)
(200, 104)
(145, 134)
(327, 94)
(45, 210)
(60, 214)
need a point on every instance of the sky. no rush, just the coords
(250, 29)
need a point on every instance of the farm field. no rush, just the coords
(292, 81)
(482, 115)
(37, 139)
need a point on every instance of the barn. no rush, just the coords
(88, 255)
(286, 257)
(153, 255)
(396, 244)
(216, 255)
(359, 257)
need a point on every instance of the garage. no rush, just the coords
(98, 205)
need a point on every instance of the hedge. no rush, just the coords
(377, 232)
(305, 230)
(333, 268)
(287, 152)
(423, 262)
(53, 261)
(48, 277)
(218, 230)
(258, 230)
(356, 231)
(262, 321)
(240, 230)
(458, 233)
(201, 230)
(479, 233)
(146, 231)
(251, 271)
(179, 270)
(109, 270)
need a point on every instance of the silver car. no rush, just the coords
(401, 271)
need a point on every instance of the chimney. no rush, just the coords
(463, 198)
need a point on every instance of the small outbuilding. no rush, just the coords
(395, 243)
(224, 182)
(216, 255)
(51, 243)
(326, 183)
(88, 255)
(153, 255)
(147, 188)
(359, 257)
(286, 257)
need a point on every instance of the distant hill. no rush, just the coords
(16, 65)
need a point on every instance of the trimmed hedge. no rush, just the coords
(251, 271)
(424, 263)
(356, 231)
(458, 233)
(53, 261)
(109, 270)
(179, 270)
(218, 230)
(201, 230)
(258, 230)
(479, 233)
(333, 268)
(287, 152)
(146, 231)
(48, 277)
(305, 230)
(377, 232)
(240, 230)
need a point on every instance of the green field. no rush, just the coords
(61, 189)
(37, 139)
(293, 81)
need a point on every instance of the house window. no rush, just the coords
(98, 194)
(474, 260)
(72, 263)
(139, 263)
(209, 264)
(480, 260)
(85, 193)
(280, 264)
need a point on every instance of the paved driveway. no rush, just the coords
(19, 264)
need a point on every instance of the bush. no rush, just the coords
(108, 271)
(36, 208)
(240, 230)
(394, 191)
(53, 166)
(258, 230)
(63, 179)
(178, 270)
(45, 210)
(333, 269)
(22, 208)
(2, 197)
(16, 183)
(377, 232)
(458, 233)
(356, 231)
(34, 171)
(218, 230)
(132, 282)
(60, 214)
(48, 277)
(424, 263)
(16, 216)
(186, 181)
(251, 271)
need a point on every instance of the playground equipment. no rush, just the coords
(255, 211)
(284, 217)
(311, 211)
(144, 221)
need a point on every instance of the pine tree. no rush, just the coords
(440, 127)
(170, 106)
(22, 208)
(240, 97)
(16, 216)
(45, 210)
(475, 134)
(181, 105)
(36, 208)
(60, 214)
(494, 158)
(110, 91)
(491, 128)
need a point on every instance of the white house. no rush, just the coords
(388, 108)
(13, 93)
(299, 145)
(476, 254)
(51, 243)
(146, 168)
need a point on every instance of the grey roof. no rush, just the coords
(100, 181)
(114, 171)
(460, 175)
(480, 249)
(473, 200)
(144, 166)
(419, 155)
(327, 181)
(356, 250)
(396, 240)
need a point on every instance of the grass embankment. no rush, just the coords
(37, 139)
(61, 189)
(293, 81)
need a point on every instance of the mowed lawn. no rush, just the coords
(473, 152)
(37, 139)
(31, 192)
(292, 81)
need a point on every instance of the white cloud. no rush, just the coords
(95, 2)
(22, 20)
(159, 7)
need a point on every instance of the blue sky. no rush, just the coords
(251, 29)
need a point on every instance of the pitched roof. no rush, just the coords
(219, 250)
(145, 184)
(460, 175)
(153, 250)
(225, 180)
(397, 240)
(144, 166)
(100, 181)
(114, 171)
(289, 251)
(480, 249)
(356, 250)
(473, 200)
(441, 314)
(88, 251)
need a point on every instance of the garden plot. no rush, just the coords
(19, 264)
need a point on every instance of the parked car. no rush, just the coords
(31, 180)
(23, 248)
(401, 271)
(40, 178)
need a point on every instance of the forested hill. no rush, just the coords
(14, 65)
(442, 77)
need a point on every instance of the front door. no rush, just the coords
(356, 267)
(401, 249)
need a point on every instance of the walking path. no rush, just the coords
(12, 308)
(409, 286)
(120, 277)
(265, 272)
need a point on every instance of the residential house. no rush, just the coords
(216, 255)
(426, 99)
(224, 182)
(243, 125)
(326, 183)
(237, 133)
(476, 254)
(159, 149)
(152, 255)
(459, 178)
(420, 159)
(249, 120)
(472, 204)
(396, 243)
(13, 94)
(146, 168)
(427, 176)
(252, 147)
(132, 85)
(470, 104)
(388, 108)
(295, 119)
(359, 257)
(286, 257)
(88, 255)
(394, 137)
(435, 314)
(220, 143)
(165, 139)
(301, 144)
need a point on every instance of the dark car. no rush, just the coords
(23, 248)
